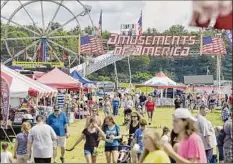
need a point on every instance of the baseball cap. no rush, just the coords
(183, 113)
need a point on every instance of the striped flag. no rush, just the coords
(100, 24)
(91, 45)
(213, 45)
(140, 25)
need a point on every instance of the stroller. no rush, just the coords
(124, 152)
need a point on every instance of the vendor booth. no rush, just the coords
(24, 95)
(60, 80)
(65, 84)
(162, 82)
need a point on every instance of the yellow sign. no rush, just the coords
(37, 64)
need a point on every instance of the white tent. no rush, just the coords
(21, 84)
(160, 80)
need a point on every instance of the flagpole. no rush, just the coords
(219, 69)
(79, 48)
(201, 41)
(141, 16)
(101, 23)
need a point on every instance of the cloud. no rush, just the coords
(163, 14)
(158, 14)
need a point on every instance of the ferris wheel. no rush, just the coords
(38, 22)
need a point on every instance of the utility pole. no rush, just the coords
(116, 76)
(219, 69)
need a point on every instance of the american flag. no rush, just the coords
(100, 24)
(213, 45)
(91, 45)
(140, 25)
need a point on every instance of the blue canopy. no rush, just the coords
(80, 78)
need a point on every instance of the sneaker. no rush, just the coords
(62, 159)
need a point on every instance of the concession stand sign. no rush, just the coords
(167, 46)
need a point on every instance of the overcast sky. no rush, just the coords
(156, 14)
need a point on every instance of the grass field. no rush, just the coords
(162, 117)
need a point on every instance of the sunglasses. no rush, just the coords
(56, 110)
(134, 116)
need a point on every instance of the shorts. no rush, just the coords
(111, 148)
(42, 160)
(90, 151)
(60, 142)
(22, 158)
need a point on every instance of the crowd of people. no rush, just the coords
(191, 139)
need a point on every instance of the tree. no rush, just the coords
(106, 35)
(148, 31)
(55, 25)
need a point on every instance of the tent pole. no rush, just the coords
(6, 135)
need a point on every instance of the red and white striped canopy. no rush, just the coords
(20, 84)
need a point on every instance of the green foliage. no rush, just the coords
(106, 34)
(141, 76)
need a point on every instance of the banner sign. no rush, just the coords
(5, 100)
(36, 64)
(168, 46)
(229, 36)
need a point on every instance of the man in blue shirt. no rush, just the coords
(58, 121)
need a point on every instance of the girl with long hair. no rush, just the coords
(153, 152)
(112, 131)
(91, 135)
(133, 125)
(191, 148)
(20, 148)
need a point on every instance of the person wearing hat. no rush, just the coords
(191, 148)
(59, 122)
(206, 132)
(41, 138)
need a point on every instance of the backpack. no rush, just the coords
(221, 137)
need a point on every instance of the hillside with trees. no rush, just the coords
(143, 67)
